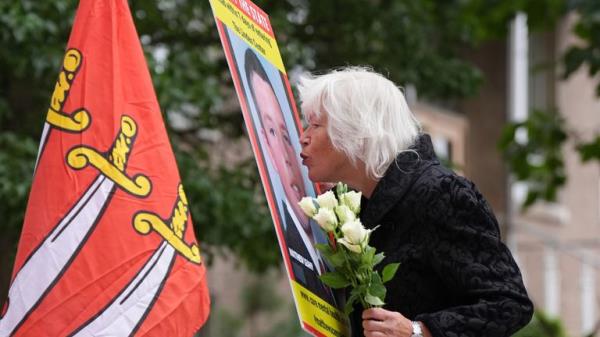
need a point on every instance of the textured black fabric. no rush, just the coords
(456, 275)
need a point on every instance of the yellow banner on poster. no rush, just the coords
(320, 315)
(248, 30)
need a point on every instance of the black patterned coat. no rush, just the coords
(456, 276)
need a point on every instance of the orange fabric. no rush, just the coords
(112, 81)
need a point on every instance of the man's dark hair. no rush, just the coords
(252, 65)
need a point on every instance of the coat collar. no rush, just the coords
(398, 179)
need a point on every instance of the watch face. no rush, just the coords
(416, 330)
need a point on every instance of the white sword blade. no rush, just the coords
(43, 141)
(127, 311)
(47, 263)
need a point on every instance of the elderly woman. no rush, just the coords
(456, 277)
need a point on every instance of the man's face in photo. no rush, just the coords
(279, 143)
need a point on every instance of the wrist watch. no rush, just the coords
(416, 329)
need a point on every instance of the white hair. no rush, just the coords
(368, 117)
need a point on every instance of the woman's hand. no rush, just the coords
(378, 322)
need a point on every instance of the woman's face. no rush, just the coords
(279, 145)
(324, 162)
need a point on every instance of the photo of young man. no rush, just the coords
(299, 236)
(274, 129)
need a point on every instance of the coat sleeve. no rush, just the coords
(467, 254)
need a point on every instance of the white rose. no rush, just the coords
(355, 237)
(326, 219)
(327, 200)
(354, 248)
(352, 200)
(344, 213)
(308, 206)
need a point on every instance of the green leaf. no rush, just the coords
(376, 288)
(367, 256)
(324, 248)
(373, 300)
(538, 160)
(590, 150)
(337, 259)
(335, 280)
(355, 258)
(389, 271)
(378, 258)
(333, 257)
(349, 306)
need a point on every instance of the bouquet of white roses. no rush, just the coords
(348, 251)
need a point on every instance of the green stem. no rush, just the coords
(353, 278)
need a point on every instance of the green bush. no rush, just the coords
(542, 325)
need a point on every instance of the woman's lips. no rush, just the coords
(304, 159)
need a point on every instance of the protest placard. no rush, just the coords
(274, 129)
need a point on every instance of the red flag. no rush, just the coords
(107, 246)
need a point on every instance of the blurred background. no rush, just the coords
(508, 89)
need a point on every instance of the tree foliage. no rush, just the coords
(536, 158)
(542, 325)
(547, 130)
(423, 43)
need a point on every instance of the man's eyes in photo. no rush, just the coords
(286, 137)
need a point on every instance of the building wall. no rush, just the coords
(445, 126)
(556, 244)
(486, 113)
(577, 102)
(569, 228)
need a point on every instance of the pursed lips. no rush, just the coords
(304, 159)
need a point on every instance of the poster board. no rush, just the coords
(274, 129)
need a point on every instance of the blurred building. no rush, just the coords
(556, 244)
